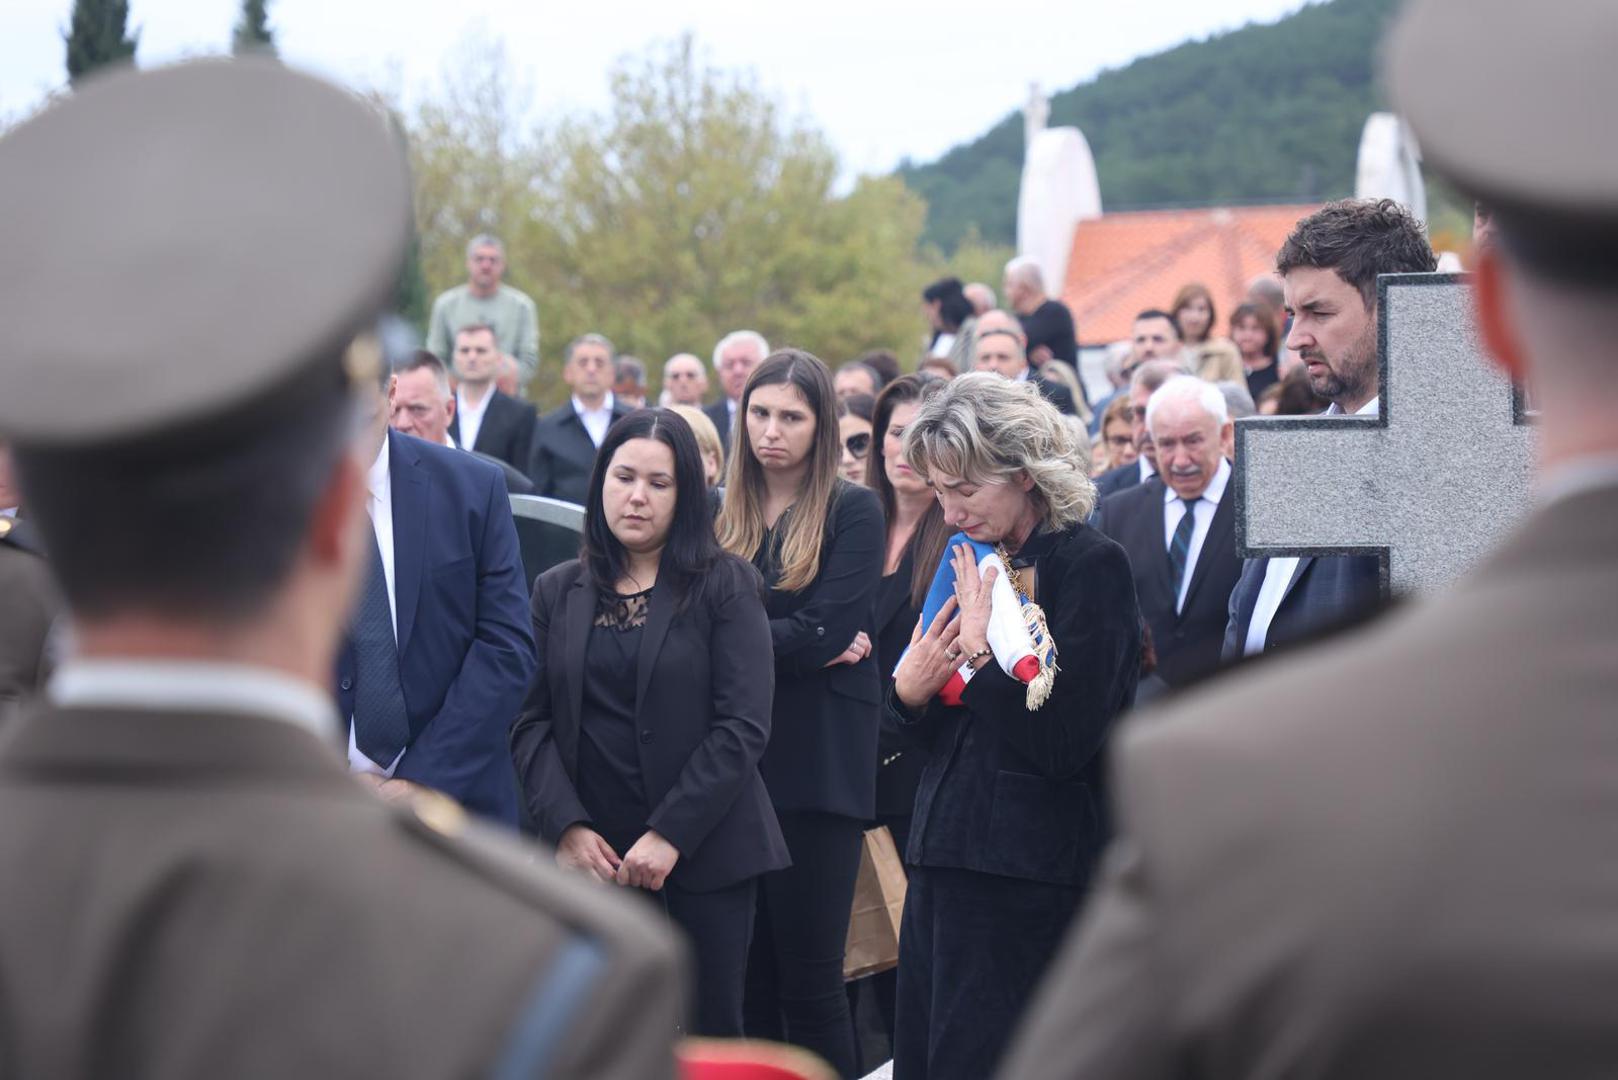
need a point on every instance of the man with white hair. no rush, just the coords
(685, 380)
(734, 358)
(1047, 322)
(485, 301)
(1179, 528)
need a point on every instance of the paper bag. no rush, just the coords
(879, 903)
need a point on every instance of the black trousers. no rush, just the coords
(795, 968)
(972, 950)
(718, 926)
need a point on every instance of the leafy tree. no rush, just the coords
(97, 35)
(692, 207)
(253, 34)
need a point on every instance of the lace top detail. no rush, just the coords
(622, 612)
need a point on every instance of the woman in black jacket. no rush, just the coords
(817, 540)
(1010, 812)
(638, 746)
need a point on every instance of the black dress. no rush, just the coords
(609, 781)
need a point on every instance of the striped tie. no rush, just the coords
(1180, 546)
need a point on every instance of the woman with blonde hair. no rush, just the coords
(1010, 816)
(817, 540)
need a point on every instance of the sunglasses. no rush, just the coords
(859, 445)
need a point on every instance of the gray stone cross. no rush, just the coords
(1430, 486)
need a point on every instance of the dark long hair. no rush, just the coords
(927, 542)
(690, 550)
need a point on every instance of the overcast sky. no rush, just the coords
(884, 79)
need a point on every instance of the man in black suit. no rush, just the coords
(485, 419)
(566, 440)
(1147, 379)
(1328, 267)
(1002, 347)
(734, 358)
(1179, 528)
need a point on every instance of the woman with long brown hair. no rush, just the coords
(817, 539)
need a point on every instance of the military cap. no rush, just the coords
(189, 243)
(1510, 100)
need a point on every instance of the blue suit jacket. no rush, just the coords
(1324, 592)
(466, 649)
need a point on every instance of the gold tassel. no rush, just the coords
(1039, 690)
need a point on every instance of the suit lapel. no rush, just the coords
(490, 426)
(409, 488)
(658, 617)
(1304, 562)
(581, 605)
(1212, 545)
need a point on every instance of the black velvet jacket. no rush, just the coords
(1017, 793)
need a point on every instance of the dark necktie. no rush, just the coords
(1180, 546)
(381, 726)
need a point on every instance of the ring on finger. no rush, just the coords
(952, 655)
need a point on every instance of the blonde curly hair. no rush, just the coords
(986, 429)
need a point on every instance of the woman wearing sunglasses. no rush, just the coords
(854, 432)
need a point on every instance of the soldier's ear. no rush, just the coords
(1500, 335)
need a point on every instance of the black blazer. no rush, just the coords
(702, 700)
(1022, 794)
(899, 769)
(822, 753)
(1115, 480)
(517, 482)
(563, 454)
(719, 413)
(507, 431)
(1324, 592)
(1188, 642)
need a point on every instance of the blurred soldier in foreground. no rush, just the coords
(1393, 857)
(191, 884)
(31, 603)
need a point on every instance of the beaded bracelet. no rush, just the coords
(975, 657)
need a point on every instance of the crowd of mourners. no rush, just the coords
(741, 674)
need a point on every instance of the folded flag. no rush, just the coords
(1017, 634)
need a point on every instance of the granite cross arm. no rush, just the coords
(1430, 485)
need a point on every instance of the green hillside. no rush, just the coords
(1267, 113)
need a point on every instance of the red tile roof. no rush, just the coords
(1127, 262)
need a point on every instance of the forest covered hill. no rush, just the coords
(1267, 113)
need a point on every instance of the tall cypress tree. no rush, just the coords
(98, 35)
(253, 34)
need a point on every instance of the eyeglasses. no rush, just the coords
(859, 445)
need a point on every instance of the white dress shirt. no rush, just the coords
(8, 511)
(1147, 469)
(192, 686)
(1203, 511)
(449, 441)
(471, 415)
(595, 421)
(1278, 574)
(380, 507)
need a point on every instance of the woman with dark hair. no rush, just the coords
(916, 536)
(949, 313)
(1010, 815)
(637, 750)
(1257, 337)
(854, 433)
(817, 539)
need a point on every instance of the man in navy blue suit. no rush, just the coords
(441, 649)
(1328, 267)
